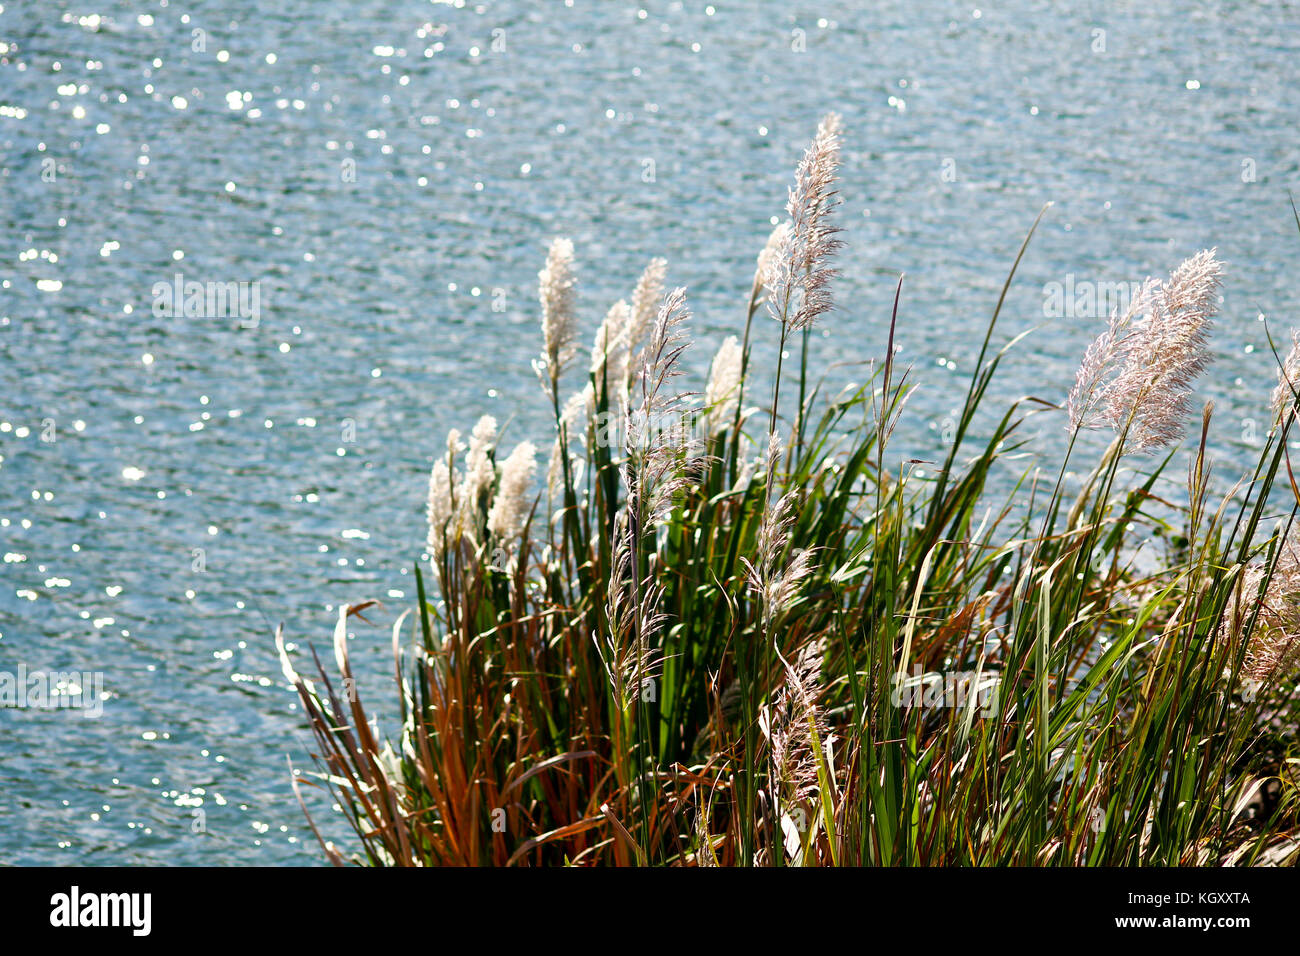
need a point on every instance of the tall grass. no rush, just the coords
(734, 635)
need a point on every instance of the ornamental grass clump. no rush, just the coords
(719, 632)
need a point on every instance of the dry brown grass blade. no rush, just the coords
(354, 610)
(562, 833)
(547, 765)
(623, 834)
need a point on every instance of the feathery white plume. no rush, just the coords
(776, 241)
(557, 292)
(646, 298)
(446, 515)
(479, 471)
(510, 509)
(795, 718)
(658, 440)
(658, 467)
(797, 273)
(439, 509)
(1138, 374)
(749, 462)
(776, 585)
(611, 352)
(722, 394)
(1274, 646)
(579, 402)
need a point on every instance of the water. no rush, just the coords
(389, 174)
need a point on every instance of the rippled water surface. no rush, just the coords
(388, 174)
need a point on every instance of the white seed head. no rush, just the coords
(722, 394)
(479, 471)
(798, 272)
(609, 350)
(439, 509)
(646, 298)
(1274, 645)
(1137, 376)
(794, 718)
(512, 505)
(557, 290)
(775, 243)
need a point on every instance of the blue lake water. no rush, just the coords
(389, 174)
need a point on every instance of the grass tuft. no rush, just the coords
(726, 635)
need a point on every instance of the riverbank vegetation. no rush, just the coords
(715, 627)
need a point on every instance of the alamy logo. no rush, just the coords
(74, 909)
(952, 689)
(53, 690)
(208, 300)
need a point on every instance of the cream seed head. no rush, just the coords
(798, 273)
(722, 394)
(557, 290)
(1137, 376)
(511, 508)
